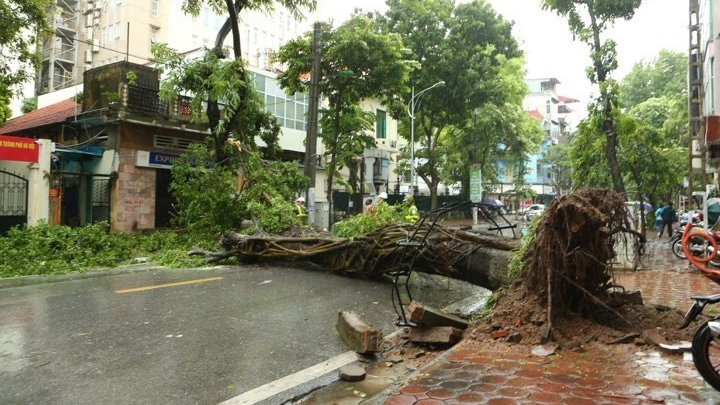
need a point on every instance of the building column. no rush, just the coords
(39, 185)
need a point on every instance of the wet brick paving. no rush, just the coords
(505, 374)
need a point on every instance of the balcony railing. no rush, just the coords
(145, 101)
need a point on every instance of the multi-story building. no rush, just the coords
(91, 35)
(553, 114)
(704, 91)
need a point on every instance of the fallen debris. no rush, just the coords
(357, 335)
(426, 316)
(352, 373)
(438, 335)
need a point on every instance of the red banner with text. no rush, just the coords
(18, 149)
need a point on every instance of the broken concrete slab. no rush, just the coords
(426, 316)
(440, 335)
(653, 338)
(357, 335)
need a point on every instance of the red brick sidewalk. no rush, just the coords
(666, 279)
(505, 374)
(510, 374)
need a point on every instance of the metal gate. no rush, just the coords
(13, 201)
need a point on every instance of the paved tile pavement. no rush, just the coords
(505, 374)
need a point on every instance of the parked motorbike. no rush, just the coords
(698, 246)
(705, 347)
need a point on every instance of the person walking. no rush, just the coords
(668, 217)
(658, 220)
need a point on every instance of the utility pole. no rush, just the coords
(312, 128)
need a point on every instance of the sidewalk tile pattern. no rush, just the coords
(506, 374)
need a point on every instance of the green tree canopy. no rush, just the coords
(356, 63)
(467, 47)
(24, 22)
(588, 21)
(651, 133)
(224, 87)
(664, 76)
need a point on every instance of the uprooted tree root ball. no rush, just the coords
(565, 289)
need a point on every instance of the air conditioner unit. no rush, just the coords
(96, 45)
(88, 20)
(88, 34)
(393, 143)
(88, 56)
(88, 9)
(90, 1)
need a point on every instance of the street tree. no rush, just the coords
(356, 63)
(588, 21)
(665, 75)
(466, 47)
(496, 132)
(651, 138)
(219, 82)
(24, 24)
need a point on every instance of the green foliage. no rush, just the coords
(588, 21)
(206, 199)
(23, 23)
(361, 224)
(471, 48)
(487, 309)
(210, 203)
(276, 217)
(29, 104)
(516, 255)
(664, 76)
(47, 250)
(5, 110)
(358, 63)
(651, 132)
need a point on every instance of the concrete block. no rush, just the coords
(441, 335)
(426, 316)
(357, 335)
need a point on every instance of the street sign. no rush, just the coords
(475, 186)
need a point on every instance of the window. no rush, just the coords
(381, 124)
(116, 32)
(548, 106)
(155, 8)
(154, 35)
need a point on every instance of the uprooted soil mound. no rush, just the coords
(565, 290)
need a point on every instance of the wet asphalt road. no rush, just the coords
(193, 336)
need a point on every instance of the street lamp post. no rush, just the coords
(411, 112)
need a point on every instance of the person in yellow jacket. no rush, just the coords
(300, 211)
(410, 211)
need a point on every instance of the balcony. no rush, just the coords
(145, 101)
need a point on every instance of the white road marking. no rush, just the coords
(293, 380)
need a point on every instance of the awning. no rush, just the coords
(82, 150)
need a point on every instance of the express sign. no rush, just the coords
(18, 149)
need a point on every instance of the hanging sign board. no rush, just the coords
(18, 149)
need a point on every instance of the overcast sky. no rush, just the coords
(548, 45)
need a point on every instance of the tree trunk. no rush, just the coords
(474, 258)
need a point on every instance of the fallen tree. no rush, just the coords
(478, 259)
